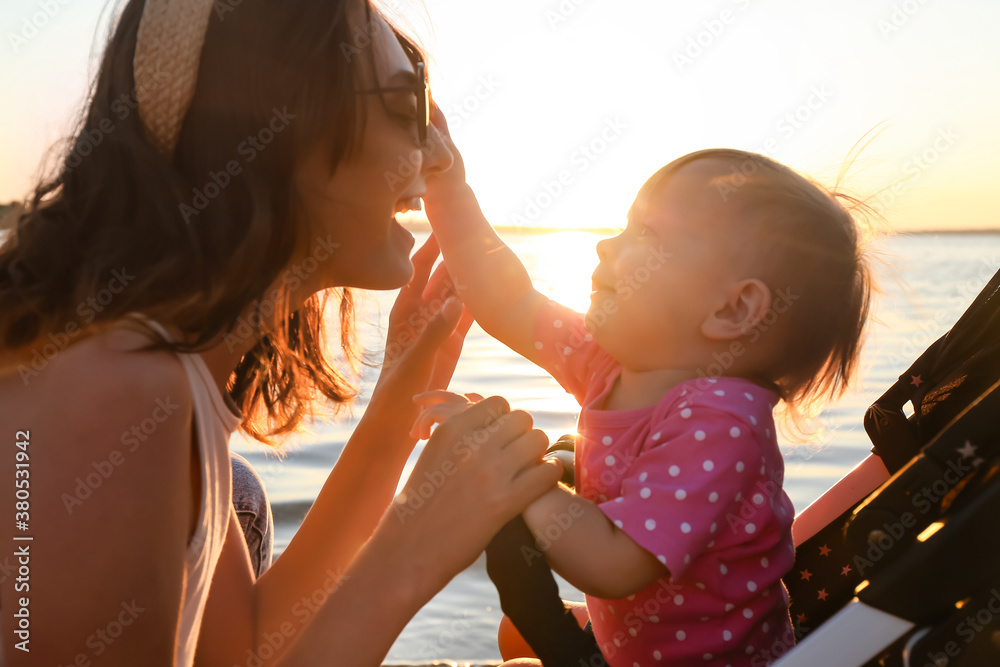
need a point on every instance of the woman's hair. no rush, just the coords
(194, 241)
(810, 252)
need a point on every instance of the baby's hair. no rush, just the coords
(811, 251)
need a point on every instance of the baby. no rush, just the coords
(736, 284)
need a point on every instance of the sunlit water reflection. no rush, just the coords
(936, 278)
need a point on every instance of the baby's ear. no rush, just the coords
(746, 304)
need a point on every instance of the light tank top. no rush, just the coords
(215, 417)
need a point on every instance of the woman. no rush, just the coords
(236, 160)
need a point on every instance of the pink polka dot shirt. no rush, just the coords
(696, 481)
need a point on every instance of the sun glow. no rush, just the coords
(561, 264)
(563, 109)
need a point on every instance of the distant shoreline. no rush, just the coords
(423, 227)
(10, 211)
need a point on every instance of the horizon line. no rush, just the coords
(8, 210)
(425, 227)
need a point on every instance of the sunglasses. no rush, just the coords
(422, 91)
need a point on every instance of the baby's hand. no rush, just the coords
(442, 181)
(437, 406)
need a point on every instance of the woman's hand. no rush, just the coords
(427, 327)
(480, 468)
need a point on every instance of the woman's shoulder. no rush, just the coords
(105, 377)
(110, 476)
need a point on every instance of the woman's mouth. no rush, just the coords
(409, 204)
(404, 206)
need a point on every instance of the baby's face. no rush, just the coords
(659, 279)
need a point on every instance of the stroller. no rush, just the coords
(898, 564)
(909, 573)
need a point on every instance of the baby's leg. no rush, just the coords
(529, 596)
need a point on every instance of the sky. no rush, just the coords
(563, 108)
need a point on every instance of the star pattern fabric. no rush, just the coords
(823, 579)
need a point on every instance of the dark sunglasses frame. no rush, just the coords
(422, 91)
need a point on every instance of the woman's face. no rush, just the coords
(355, 206)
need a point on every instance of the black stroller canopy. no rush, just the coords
(921, 584)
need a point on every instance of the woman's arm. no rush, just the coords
(423, 347)
(486, 468)
(286, 598)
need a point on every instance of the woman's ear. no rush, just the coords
(746, 304)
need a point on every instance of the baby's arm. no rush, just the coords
(436, 406)
(587, 549)
(488, 276)
(695, 471)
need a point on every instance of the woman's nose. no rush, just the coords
(437, 156)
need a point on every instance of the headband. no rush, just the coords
(168, 47)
